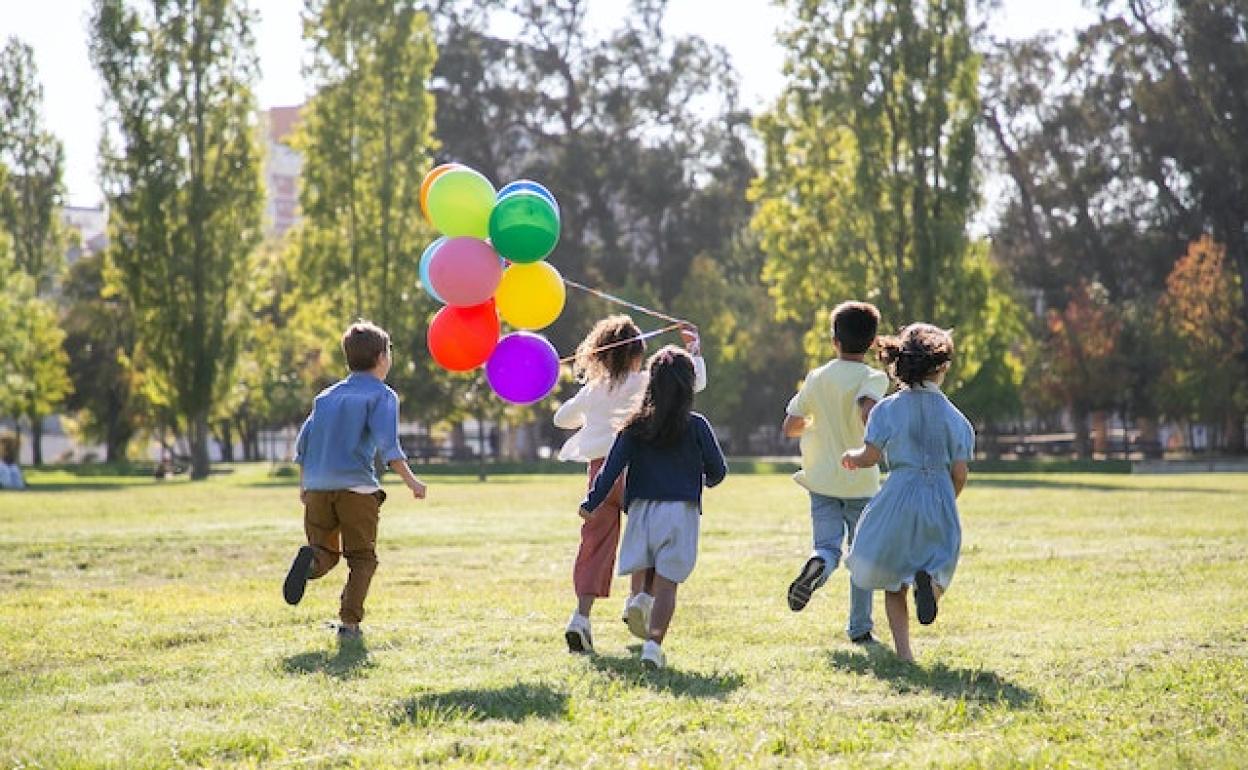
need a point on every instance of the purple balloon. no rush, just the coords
(523, 368)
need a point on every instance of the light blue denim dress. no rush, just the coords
(912, 524)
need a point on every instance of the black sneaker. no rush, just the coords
(801, 588)
(924, 598)
(297, 578)
(864, 639)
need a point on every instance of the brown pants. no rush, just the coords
(600, 537)
(343, 523)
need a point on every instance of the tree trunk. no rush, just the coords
(1100, 433)
(197, 431)
(227, 442)
(36, 441)
(1083, 441)
(1235, 432)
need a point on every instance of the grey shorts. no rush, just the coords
(661, 534)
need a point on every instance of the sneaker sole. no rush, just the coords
(297, 577)
(638, 623)
(577, 643)
(801, 589)
(924, 598)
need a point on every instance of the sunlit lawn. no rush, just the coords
(1095, 620)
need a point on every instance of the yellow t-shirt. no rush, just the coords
(829, 401)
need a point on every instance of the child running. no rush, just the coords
(829, 414)
(669, 451)
(351, 422)
(910, 534)
(608, 362)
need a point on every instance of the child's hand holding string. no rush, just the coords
(693, 343)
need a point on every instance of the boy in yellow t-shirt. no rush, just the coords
(829, 413)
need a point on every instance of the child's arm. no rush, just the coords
(958, 472)
(571, 413)
(714, 467)
(617, 461)
(864, 456)
(405, 472)
(383, 422)
(865, 405)
(794, 426)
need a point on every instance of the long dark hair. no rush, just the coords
(663, 413)
(917, 353)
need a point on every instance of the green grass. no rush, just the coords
(1096, 620)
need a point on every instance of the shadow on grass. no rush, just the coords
(955, 683)
(680, 683)
(513, 704)
(999, 483)
(349, 662)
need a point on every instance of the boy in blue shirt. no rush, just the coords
(351, 421)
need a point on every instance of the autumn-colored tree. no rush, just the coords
(1077, 364)
(1205, 337)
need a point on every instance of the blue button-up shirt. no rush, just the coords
(351, 421)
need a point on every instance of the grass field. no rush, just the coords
(1095, 621)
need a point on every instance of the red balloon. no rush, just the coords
(462, 338)
(465, 271)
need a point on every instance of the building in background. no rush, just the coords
(88, 229)
(282, 166)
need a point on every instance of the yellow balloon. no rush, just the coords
(531, 296)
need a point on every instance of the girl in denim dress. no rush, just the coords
(910, 534)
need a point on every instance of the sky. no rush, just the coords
(56, 29)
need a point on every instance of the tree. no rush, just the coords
(29, 209)
(365, 136)
(869, 176)
(640, 135)
(1185, 65)
(30, 202)
(100, 339)
(1077, 365)
(1203, 347)
(181, 174)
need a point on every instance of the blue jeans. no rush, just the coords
(833, 521)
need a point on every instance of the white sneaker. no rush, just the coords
(637, 615)
(652, 655)
(578, 634)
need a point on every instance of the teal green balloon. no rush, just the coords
(524, 227)
(460, 202)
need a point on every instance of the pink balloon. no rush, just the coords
(465, 271)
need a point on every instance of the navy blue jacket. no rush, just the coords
(662, 473)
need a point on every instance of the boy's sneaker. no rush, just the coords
(637, 615)
(578, 635)
(863, 639)
(924, 598)
(652, 656)
(801, 588)
(297, 578)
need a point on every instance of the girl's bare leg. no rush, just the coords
(664, 607)
(642, 582)
(895, 606)
(584, 604)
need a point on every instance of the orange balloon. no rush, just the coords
(428, 182)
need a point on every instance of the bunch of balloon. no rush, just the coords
(490, 263)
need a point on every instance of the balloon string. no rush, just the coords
(624, 302)
(629, 341)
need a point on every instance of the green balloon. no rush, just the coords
(460, 202)
(524, 227)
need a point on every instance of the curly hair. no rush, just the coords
(916, 353)
(662, 416)
(609, 352)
